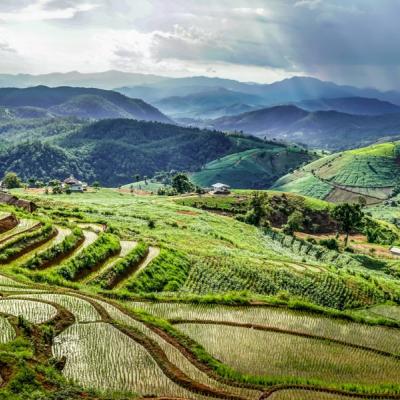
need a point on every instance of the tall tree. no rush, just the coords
(348, 216)
(182, 184)
(11, 180)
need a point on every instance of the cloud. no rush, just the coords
(347, 41)
(5, 47)
(42, 10)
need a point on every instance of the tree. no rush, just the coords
(259, 210)
(31, 182)
(294, 222)
(182, 184)
(11, 180)
(348, 216)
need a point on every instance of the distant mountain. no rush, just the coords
(291, 90)
(350, 105)
(78, 102)
(102, 80)
(210, 103)
(322, 129)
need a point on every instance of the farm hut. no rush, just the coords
(395, 251)
(74, 185)
(220, 188)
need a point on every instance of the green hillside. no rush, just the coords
(254, 168)
(372, 172)
(113, 151)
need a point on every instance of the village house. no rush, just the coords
(395, 251)
(74, 185)
(220, 188)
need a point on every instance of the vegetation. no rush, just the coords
(123, 268)
(370, 172)
(11, 180)
(56, 252)
(25, 242)
(349, 217)
(91, 257)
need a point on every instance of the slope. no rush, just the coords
(351, 105)
(251, 169)
(372, 172)
(113, 151)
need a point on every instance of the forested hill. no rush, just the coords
(66, 101)
(112, 151)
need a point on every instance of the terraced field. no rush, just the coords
(371, 172)
(80, 293)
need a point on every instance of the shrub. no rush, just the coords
(331, 244)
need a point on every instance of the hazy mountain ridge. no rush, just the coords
(323, 129)
(80, 102)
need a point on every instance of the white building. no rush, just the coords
(220, 188)
(74, 185)
(395, 251)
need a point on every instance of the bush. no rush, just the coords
(331, 244)
(105, 246)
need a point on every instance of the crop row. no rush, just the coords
(272, 354)
(117, 272)
(215, 275)
(33, 311)
(56, 252)
(6, 331)
(91, 257)
(376, 337)
(17, 246)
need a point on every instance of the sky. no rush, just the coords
(346, 41)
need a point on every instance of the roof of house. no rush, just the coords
(395, 250)
(220, 186)
(72, 181)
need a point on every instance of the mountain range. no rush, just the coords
(87, 103)
(331, 130)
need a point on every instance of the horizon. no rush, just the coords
(261, 42)
(182, 77)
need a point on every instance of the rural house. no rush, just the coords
(74, 185)
(220, 188)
